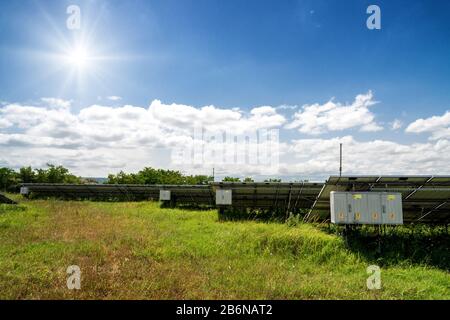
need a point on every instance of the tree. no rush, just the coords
(8, 178)
(27, 175)
(124, 178)
(150, 175)
(272, 180)
(41, 176)
(56, 174)
(231, 179)
(199, 179)
(248, 179)
(170, 177)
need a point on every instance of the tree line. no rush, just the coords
(150, 175)
(10, 179)
(247, 179)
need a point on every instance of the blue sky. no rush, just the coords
(237, 54)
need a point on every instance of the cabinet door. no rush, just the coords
(223, 197)
(392, 206)
(357, 208)
(164, 195)
(339, 208)
(374, 208)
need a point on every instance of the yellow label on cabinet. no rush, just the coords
(391, 197)
(374, 216)
(392, 216)
(357, 196)
(357, 216)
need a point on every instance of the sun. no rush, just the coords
(78, 57)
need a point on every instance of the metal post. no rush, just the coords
(340, 160)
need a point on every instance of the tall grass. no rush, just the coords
(138, 250)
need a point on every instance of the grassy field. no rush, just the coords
(140, 251)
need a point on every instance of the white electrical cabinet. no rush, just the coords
(24, 190)
(366, 208)
(223, 197)
(164, 195)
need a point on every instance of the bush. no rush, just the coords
(10, 179)
(156, 176)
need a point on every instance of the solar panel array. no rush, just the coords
(181, 194)
(6, 200)
(425, 199)
(281, 197)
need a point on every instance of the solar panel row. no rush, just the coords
(425, 198)
(181, 194)
(281, 197)
(6, 200)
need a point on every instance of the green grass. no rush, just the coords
(140, 251)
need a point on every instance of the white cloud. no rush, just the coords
(56, 103)
(438, 126)
(29, 116)
(215, 119)
(127, 135)
(320, 157)
(317, 119)
(99, 139)
(5, 123)
(114, 98)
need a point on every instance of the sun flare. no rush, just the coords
(78, 58)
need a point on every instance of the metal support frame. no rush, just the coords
(289, 201)
(432, 210)
(314, 204)
(298, 195)
(417, 189)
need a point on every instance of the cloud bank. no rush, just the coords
(101, 139)
(317, 119)
(437, 126)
